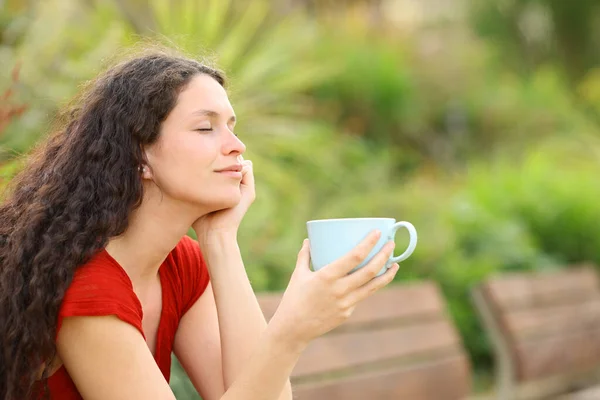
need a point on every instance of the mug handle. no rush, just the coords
(411, 244)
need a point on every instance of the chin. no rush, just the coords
(226, 201)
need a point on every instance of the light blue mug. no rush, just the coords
(331, 239)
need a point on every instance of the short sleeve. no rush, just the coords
(101, 288)
(193, 272)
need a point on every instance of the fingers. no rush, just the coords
(248, 179)
(353, 258)
(246, 169)
(370, 271)
(303, 261)
(374, 285)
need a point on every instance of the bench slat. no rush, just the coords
(560, 354)
(537, 289)
(554, 321)
(398, 343)
(352, 349)
(447, 379)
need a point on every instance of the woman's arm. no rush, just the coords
(313, 304)
(241, 321)
(109, 359)
(266, 372)
(198, 346)
(220, 332)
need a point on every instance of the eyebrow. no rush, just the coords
(210, 113)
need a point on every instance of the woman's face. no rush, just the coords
(196, 143)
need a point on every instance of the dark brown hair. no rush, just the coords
(77, 191)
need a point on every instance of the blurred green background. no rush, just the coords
(478, 121)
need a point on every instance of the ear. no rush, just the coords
(146, 171)
(144, 168)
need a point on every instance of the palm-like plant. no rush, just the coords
(268, 58)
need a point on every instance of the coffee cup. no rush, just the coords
(330, 239)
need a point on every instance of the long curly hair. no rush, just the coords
(77, 190)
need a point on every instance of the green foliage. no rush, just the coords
(268, 58)
(60, 44)
(538, 211)
(589, 92)
(394, 94)
(495, 168)
(529, 33)
(556, 190)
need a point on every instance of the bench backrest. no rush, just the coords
(399, 343)
(546, 324)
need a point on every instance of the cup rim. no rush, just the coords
(316, 221)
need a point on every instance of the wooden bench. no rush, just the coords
(398, 344)
(545, 328)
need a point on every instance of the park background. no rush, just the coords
(478, 121)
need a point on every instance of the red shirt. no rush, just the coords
(101, 287)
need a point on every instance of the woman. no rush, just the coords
(99, 282)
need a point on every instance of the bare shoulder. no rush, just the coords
(101, 352)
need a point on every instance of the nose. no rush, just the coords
(232, 144)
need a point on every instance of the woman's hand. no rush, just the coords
(316, 302)
(228, 220)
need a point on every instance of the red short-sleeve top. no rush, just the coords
(101, 287)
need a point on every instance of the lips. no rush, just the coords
(233, 171)
(231, 168)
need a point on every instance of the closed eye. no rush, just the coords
(204, 130)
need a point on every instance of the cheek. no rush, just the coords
(180, 178)
(202, 187)
(188, 153)
(187, 174)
